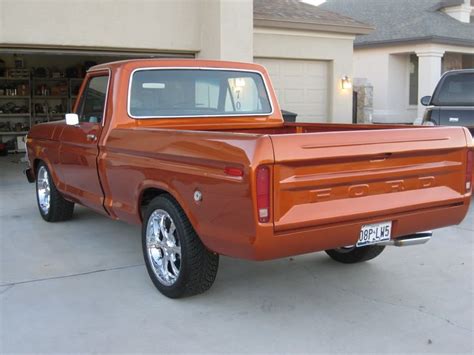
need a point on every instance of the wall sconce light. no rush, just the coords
(346, 83)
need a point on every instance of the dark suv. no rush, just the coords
(452, 103)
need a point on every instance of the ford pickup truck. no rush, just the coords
(197, 153)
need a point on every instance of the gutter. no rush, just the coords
(428, 39)
(312, 26)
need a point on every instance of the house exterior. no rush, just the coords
(307, 49)
(413, 43)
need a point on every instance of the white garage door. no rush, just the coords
(301, 86)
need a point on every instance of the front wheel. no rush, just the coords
(176, 260)
(51, 204)
(353, 254)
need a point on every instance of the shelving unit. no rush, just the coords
(22, 133)
(48, 99)
(15, 96)
(74, 87)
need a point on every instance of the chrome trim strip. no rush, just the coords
(199, 68)
(106, 96)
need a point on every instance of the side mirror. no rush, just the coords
(72, 119)
(425, 100)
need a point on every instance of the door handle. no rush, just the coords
(91, 137)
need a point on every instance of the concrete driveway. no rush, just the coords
(81, 286)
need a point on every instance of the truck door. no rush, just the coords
(79, 145)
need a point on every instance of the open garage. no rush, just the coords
(41, 86)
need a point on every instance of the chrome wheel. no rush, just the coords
(163, 247)
(43, 189)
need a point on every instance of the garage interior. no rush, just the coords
(42, 85)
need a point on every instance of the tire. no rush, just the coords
(355, 255)
(176, 260)
(51, 204)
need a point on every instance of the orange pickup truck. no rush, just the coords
(198, 153)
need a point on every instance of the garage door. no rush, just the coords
(301, 86)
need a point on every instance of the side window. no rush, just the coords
(93, 100)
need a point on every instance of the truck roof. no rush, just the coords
(132, 64)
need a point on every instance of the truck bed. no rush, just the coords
(337, 173)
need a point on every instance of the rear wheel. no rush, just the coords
(51, 204)
(353, 254)
(176, 260)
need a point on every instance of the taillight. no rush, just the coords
(469, 162)
(263, 193)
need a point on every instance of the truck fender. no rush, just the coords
(164, 188)
(42, 158)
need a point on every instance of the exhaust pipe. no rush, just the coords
(413, 239)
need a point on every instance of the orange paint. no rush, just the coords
(326, 180)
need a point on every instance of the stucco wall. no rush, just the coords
(226, 29)
(168, 25)
(211, 28)
(338, 49)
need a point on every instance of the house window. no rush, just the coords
(413, 89)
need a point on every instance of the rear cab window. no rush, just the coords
(197, 92)
(455, 90)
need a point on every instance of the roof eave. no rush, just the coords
(312, 26)
(430, 39)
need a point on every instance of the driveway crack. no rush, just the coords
(7, 287)
(11, 284)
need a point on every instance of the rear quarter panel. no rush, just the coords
(180, 163)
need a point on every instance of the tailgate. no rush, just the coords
(326, 178)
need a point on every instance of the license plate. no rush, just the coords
(374, 233)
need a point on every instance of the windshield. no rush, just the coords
(455, 90)
(197, 92)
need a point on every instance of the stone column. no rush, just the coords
(429, 72)
(365, 101)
